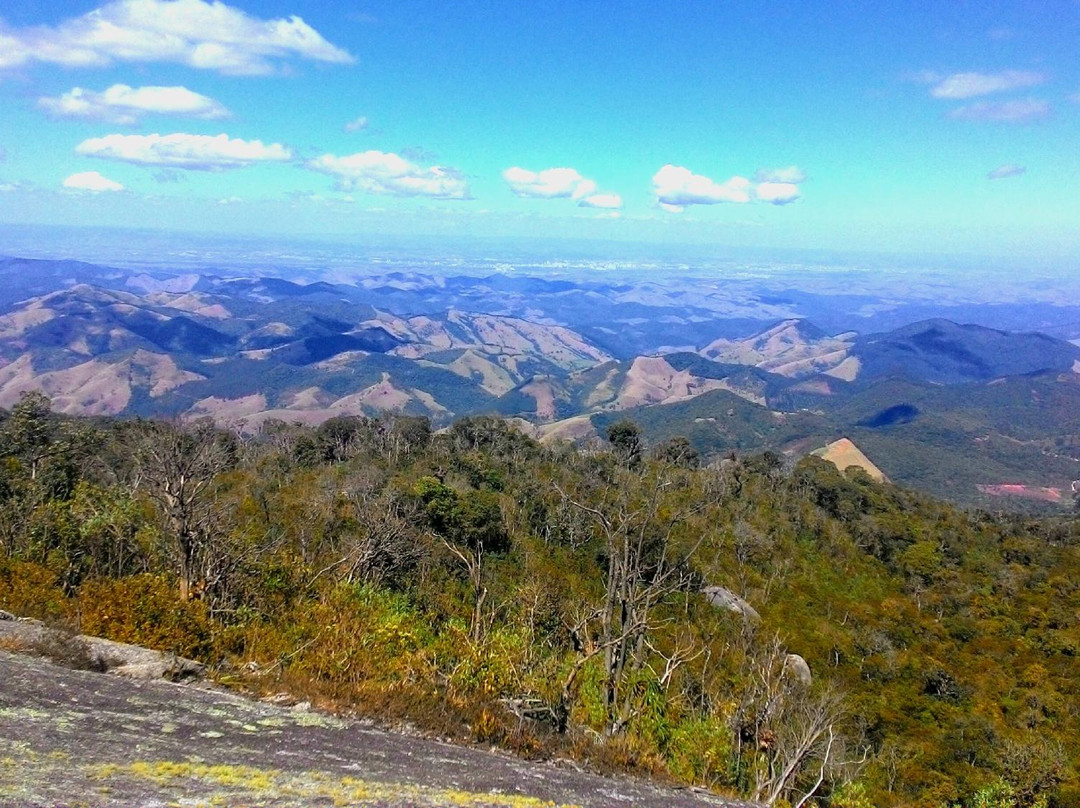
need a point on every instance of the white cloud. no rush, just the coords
(179, 150)
(356, 125)
(203, 34)
(777, 193)
(91, 181)
(12, 51)
(678, 186)
(551, 183)
(230, 200)
(1007, 170)
(971, 85)
(1018, 111)
(125, 105)
(377, 172)
(788, 174)
(8, 187)
(604, 201)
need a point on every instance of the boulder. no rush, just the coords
(798, 667)
(723, 598)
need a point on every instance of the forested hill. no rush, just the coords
(626, 607)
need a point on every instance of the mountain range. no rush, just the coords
(961, 410)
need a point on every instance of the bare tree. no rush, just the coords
(175, 466)
(790, 734)
(381, 544)
(637, 521)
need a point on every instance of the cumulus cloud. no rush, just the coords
(122, 104)
(180, 150)
(603, 201)
(678, 186)
(8, 187)
(777, 193)
(551, 183)
(204, 34)
(356, 125)
(788, 174)
(230, 200)
(1007, 170)
(91, 181)
(1017, 111)
(377, 172)
(959, 86)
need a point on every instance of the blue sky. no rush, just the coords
(918, 126)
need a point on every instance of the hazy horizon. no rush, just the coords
(126, 247)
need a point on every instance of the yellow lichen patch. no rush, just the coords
(306, 786)
(246, 778)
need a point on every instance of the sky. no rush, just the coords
(941, 126)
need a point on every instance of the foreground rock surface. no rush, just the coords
(81, 738)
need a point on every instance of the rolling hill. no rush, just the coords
(793, 348)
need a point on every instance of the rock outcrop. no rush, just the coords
(95, 653)
(723, 598)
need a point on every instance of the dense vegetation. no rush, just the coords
(550, 600)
